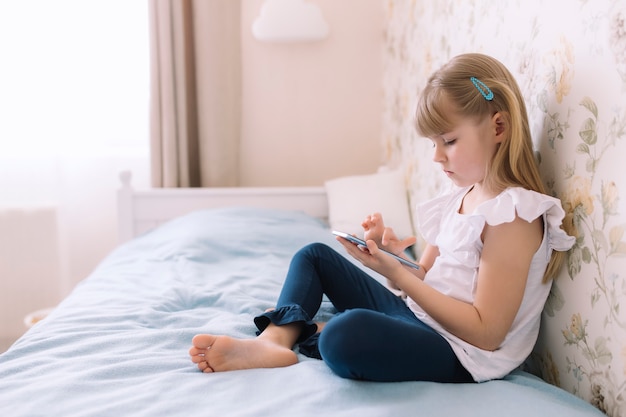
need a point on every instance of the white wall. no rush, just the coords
(29, 246)
(312, 111)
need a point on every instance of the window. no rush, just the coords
(74, 78)
(74, 111)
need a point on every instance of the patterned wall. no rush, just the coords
(569, 57)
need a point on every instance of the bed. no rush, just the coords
(203, 260)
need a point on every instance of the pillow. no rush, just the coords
(351, 199)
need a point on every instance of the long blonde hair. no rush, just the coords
(514, 163)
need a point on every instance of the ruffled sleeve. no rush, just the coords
(528, 205)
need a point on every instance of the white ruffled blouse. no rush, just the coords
(455, 271)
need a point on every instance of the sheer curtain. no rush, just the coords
(74, 100)
(195, 92)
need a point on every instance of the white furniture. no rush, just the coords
(142, 210)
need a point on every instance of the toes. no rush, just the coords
(204, 367)
(194, 351)
(203, 341)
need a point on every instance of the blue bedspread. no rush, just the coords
(117, 346)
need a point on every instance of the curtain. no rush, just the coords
(195, 92)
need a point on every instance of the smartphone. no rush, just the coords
(361, 242)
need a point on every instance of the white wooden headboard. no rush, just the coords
(142, 210)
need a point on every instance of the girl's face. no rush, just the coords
(465, 152)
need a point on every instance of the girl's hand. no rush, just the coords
(372, 257)
(374, 228)
(384, 237)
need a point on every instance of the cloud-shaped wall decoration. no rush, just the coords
(289, 21)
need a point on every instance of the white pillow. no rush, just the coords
(351, 199)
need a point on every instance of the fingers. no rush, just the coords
(409, 241)
(371, 256)
(388, 235)
(372, 248)
(372, 220)
(356, 251)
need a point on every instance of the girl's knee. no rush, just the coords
(343, 342)
(311, 253)
(313, 249)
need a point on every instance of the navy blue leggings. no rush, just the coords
(374, 336)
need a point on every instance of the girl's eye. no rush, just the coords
(445, 142)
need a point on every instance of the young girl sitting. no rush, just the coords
(473, 310)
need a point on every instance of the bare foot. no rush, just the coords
(223, 353)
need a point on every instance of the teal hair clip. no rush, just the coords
(484, 90)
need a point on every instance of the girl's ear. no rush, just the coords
(500, 126)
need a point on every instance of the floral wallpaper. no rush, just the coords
(569, 57)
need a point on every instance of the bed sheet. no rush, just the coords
(117, 345)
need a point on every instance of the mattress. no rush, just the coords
(117, 345)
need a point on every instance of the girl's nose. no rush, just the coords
(438, 154)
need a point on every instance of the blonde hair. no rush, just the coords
(451, 87)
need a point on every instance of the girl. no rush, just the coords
(472, 311)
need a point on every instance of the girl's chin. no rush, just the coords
(460, 183)
(456, 180)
